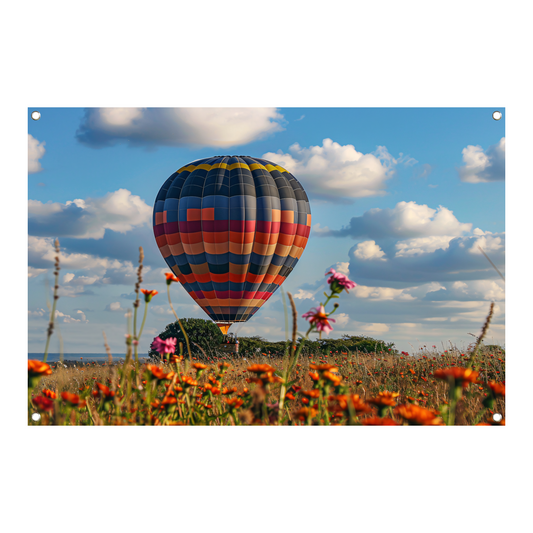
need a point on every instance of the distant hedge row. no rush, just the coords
(206, 334)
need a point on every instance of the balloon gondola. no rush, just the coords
(231, 228)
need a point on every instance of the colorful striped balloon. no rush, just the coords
(231, 228)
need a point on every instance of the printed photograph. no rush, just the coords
(266, 266)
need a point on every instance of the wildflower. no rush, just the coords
(460, 376)
(418, 416)
(227, 391)
(105, 391)
(313, 393)
(384, 398)
(43, 403)
(260, 369)
(339, 282)
(306, 413)
(164, 346)
(497, 389)
(188, 381)
(176, 358)
(234, 403)
(335, 379)
(377, 421)
(148, 295)
(199, 366)
(170, 277)
(159, 373)
(36, 370)
(49, 394)
(290, 396)
(72, 399)
(314, 376)
(317, 317)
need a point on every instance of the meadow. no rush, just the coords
(432, 387)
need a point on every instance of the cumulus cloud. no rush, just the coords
(489, 290)
(405, 220)
(114, 306)
(34, 272)
(369, 251)
(382, 293)
(483, 166)
(35, 152)
(68, 319)
(461, 260)
(422, 245)
(97, 270)
(336, 172)
(118, 211)
(223, 127)
(37, 313)
(304, 295)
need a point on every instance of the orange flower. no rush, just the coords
(148, 294)
(199, 366)
(377, 421)
(106, 391)
(290, 396)
(188, 381)
(170, 278)
(259, 369)
(306, 412)
(314, 376)
(313, 393)
(234, 403)
(176, 358)
(36, 370)
(49, 394)
(225, 390)
(418, 416)
(498, 389)
(332, 377)
(458, 375)
(159, 373)
(384, 398)
(342, 400)
(72, 399)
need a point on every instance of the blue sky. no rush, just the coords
(400, 198)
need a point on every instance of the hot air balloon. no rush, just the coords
(231, 228)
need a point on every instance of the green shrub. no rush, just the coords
(205, 333)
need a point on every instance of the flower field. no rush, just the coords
(430, 388)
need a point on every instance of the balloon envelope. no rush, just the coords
(231, 228)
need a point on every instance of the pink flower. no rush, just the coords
(164, 346)
(317, 317)
(339, 281)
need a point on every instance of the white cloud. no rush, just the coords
(369, 250)
(374, 328)
(67, 319)
(118, 211)
(382, 293)
(37, 313)
(35, 152)
(222, 127)
(406, 220)
(483, 166)
(487, 243)
(303, 295)
(34, 272)
(336, 172)
(341, 319)
(475, 290)
(423, 245)
(114, 306)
